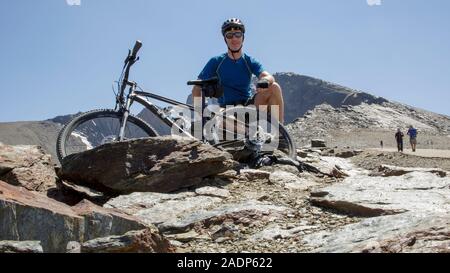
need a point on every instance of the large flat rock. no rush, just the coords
(407, 232)
(20, 247)
(159, 164)
(179, 212)
(374, 196)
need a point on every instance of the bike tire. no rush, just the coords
(83, 118)
(287, 145)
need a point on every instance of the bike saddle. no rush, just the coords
(210, 81)
(210, 87)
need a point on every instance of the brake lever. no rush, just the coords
(128, 57)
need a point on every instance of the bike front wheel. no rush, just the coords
(97, 127)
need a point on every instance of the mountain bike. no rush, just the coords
(222, 128)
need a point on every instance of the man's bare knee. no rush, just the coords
(275, 89)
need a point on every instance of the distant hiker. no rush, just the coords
(235, 69)
(412, 132)
(381, 144)
(399, 138)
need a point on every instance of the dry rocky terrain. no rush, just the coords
(329, 200)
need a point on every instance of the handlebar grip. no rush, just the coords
(197, 82)
(262, 84)
(136, 48)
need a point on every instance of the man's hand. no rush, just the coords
(262, 85)
(264, 82)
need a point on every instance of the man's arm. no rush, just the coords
(196, 91)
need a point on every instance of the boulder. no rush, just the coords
(101, 222)
(370, 196)
(20, 247)
(27, 166)
(406, 232)
(159, 208)
(318, 143)
(26, 215)
(388, 170)
(187, 236)
(213, 191)
(73, 247)
(348, 153)
(291, 181)
(251, 174)
(329, 166)
(72, 194)
(159, 164)
(137, 241)
(83, 192)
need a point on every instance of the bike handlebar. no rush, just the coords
(136, 48)
(130, 60)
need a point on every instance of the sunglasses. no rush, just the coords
(230, 35)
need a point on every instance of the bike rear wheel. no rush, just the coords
(97, 127)
(274, 136)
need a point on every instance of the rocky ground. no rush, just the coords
(189, 197)
(260, 231)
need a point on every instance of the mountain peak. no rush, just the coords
(303, 93)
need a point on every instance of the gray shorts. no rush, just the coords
(413, 140)
(246, 102)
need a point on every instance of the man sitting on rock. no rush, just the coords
(235, 69)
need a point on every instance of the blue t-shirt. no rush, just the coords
(412, 132)
(235, 76)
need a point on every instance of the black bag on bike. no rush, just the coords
(213, 91)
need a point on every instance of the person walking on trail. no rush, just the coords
(412, 132)
(235, 69)
(399, 138)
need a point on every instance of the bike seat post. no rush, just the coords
(202, 113)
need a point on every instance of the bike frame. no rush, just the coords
(142, 98)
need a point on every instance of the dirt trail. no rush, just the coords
(371, 159)
(419, 152)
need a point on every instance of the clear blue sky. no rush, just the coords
(59, 59)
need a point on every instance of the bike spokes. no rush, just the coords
(99, 131)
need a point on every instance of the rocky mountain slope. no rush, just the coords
(365, 125)
(41, 133)
(303, 93)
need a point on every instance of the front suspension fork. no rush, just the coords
(123, 121)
